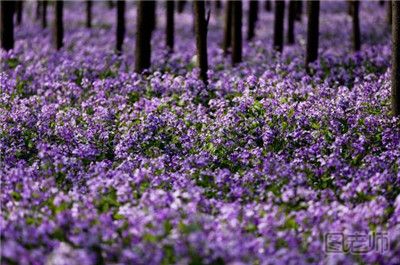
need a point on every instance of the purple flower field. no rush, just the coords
(101, 165)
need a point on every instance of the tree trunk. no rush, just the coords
(58, 25)
(181, 6)
(389, 12)
(278, 25)
(218, 6)
(153, 17)
(396, 58)
(38, 9)
(120, 25)
(201, 38)
(312, 33)
(237, 13)
(89, 13)
(111, 4)
(44, 14)
(228, 27)
(19, 7)
(268, 5)
(170, 25)
(291, 19)
(356, 25)
(7, 25)
(253, 17)
(299, 10)
(144, 24)
(349, 7)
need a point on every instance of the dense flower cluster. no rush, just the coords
(100, 165)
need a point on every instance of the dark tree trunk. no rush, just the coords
(44, 14)
(88, 13)
(201, 38)
(19, 6)
(144, 24)
(237, 14)
(268, 5)
(278, 25)
(38, 9)
(396, 58)
(312, 33)
(228, 27)
(181, 6)
(58, 25)
(253, 17)
(291, 19)
(170, 25)
(7, 25)
(299, 10)
(381, 3)
(111, 4)
(152, 17)
(120, 25)
(356, 25)
(389, 12)
(349, 7)
(218, 6)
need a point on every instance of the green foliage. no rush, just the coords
(16, 196)
(13, 62)
(169, 255)
(290, 224)
(188, 228)
(108, 201)
(133, 97)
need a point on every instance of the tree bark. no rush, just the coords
(291, 19)
(237, 14)
(7, 25)
(201, 38)
(144, 23)
(170, 25)
(228, 27)
(268, 5)
(111, 4)
(58, 25)
(153, 17)
(278, 25)
(120, 25)
(356, 25)
(89, 13)
(312, 33)
(299, 10)
(218, 6)
(181, 6)
(38, 9)
(19, 7)
(44, 14)
(349, 8)
(253, 17)
(396, 58)
(389, 12)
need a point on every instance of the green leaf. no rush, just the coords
(16, 196)
(150, 238)
(13, 62)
